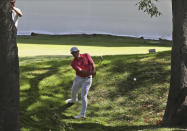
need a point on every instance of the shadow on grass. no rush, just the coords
(92, 40)
(147, 93)
(99, 127)
(41, 107)
(146, 73)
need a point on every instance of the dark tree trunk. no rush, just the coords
(9, 71)
(176, 109)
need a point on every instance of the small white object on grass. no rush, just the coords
(134, 78)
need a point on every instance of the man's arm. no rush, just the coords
(93, 72)
(79, 70)
(20, 14)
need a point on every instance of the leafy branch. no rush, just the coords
(149, 7)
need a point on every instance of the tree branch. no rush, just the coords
(149, 7)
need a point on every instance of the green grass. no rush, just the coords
(96, 45)
(116, 101)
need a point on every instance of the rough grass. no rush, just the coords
(116, 101)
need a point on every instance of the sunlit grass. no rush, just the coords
(116, 101)
(95, 45)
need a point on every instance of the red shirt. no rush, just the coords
(85, 63)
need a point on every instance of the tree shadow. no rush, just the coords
(135, 95)
(100, 127)
(40, 108)
(141, 74)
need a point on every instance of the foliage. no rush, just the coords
(149, 7)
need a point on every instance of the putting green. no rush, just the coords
(37, 50)
(95, 45)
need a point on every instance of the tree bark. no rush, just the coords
(176, 109)
(9, 70)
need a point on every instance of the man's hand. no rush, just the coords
(17, 11)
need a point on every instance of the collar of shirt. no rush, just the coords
(81, 56)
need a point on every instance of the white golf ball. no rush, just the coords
(134, 78)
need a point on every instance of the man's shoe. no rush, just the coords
(70, 101)
(79, 116)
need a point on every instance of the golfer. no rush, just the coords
(16, 13)
(85, 70)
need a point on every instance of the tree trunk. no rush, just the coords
(9, 71)
(176, 109)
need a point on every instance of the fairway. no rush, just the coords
(95, 45)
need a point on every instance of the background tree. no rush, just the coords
(9, 71)
(176, 109)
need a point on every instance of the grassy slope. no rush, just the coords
(116, 102)
(96, 45)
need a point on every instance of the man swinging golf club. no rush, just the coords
(85, 70)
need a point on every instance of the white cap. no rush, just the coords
(74, 49)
